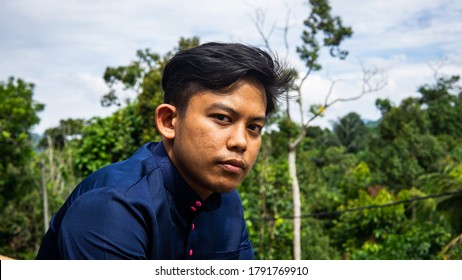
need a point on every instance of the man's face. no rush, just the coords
(218, 138)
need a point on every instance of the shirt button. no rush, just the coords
(198, 204)
(192, 226)
(190, 252)
(193, 208)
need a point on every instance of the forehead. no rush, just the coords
(247, 95)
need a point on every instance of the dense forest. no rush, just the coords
(384, 189)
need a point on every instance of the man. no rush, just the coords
(177, 199)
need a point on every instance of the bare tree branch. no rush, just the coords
(286, 29)
(436, 66)
(331, 90)
(373, 80)
(259, 20)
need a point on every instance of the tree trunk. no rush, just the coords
(44, 197)
(296, 201)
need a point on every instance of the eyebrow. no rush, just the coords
(224, 107)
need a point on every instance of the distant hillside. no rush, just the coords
(371, 123)
(35, 141)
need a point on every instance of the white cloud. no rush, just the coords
(64, 46)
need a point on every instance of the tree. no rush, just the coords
(58, 136)
(19, 198)
(18, 114)
(107, 140)
(144, 76)
(443, 102)
(413, 138)
(350, 131)
(404, 147)
(322, 31)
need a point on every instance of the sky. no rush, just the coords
(64, 46)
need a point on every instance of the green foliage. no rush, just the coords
(322, 30)
(355, 179)
(418, 242)
(354, 228)
(18, 114)
(18, 198)
(144, 76)
(384, 105)
(108, 140)
(288, 126)
(449, 179)
(21, 227)
(404, 148)
(350, 132)
(387, 232)
(265, 196)
(317, 242)
(321, 175)
(58, 136)
(444, 104)
(59, 173)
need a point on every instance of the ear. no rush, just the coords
(166, 117)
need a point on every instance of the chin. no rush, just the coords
(224, 189)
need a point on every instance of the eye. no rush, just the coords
(222, 118)
(255, 128)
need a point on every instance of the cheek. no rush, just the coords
(253, 151)
(193, 130)
(207, 135)
(202, 139)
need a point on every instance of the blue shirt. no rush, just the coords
(141, 208)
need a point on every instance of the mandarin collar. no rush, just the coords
(177, 186)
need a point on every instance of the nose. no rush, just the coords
(237, 140)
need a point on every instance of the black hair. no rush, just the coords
(216, 66)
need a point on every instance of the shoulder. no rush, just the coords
(231, 200)
(97, 205)
(121, 176)
(102, 223)
(124, 173)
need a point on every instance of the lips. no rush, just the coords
(233, 165)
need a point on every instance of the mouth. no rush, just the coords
(233, 166)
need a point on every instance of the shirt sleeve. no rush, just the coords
(104, 224)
